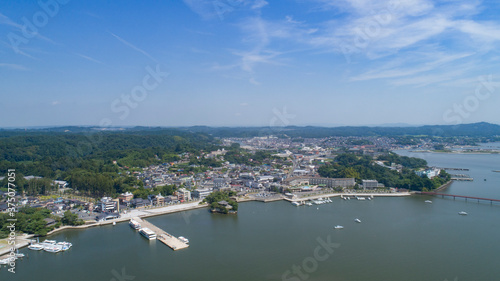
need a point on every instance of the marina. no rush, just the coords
(50, 246)
(151, 232)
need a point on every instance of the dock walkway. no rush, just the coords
(173, 242)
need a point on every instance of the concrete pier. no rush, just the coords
(173, 242)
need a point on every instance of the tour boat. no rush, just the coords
(462, 213)
(148, 233)
(357, 220)
(338, 227)
(184, 239)
(134, 224)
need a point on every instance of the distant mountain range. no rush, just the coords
(481, 129)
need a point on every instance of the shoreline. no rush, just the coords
(454, 152)
(146, 213)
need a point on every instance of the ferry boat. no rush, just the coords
(462, 213)
(184, 239)
(148, 233)
(135, 225)
(338, 227)
(357, 220)
(36, 247)
(428, 201)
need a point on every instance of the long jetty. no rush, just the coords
(459, 196)
(453, 169)
(173, 242)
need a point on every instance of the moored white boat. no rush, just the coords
(357, 220)
(428, 201)
(338, 227)
(462, 213)
(184, 239)
(52, 249)
(148, 233)
(35, 247)
(134, 224)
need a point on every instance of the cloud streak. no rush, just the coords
(133, 47)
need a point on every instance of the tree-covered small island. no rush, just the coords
(221, 202)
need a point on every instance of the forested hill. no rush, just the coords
(51, 153)
(472, 130)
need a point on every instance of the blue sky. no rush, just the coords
(248, 63)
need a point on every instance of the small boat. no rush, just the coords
(309, 204)
(50, 242)
(19, 255)
(184, 239)
(7, 260)
(64, 243)
(53, 249)
(428, 201)
(64, 246)
(36, 247)
(296, 204)
(462, 213)
(369, 198)
(134, 224)
(357, 220)
(114, 223)
(148, 233)
(338, 227)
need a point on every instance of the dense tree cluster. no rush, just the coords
(408, 162)
(217, 196)
(29, 220)
(352, 166)
(85, 159)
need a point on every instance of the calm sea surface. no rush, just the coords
(398, 239)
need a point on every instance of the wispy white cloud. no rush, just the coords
(395, 39)
(89, 58)
(14, 66)
(4, 20)
(217, 9)
(133, 47)
(399, 69)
